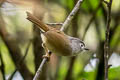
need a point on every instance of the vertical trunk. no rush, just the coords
(38, 50)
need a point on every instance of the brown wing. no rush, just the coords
(58, 42)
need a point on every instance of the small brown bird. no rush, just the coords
(57, 41)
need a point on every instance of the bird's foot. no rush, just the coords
(47, 55)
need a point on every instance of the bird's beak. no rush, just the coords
(86, 49)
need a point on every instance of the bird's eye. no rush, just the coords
(81, 45)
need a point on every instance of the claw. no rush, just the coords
(46, 56)
(48, 53)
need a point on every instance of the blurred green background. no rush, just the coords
(19, 33)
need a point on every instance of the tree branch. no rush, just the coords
(52, 24)
(21, 60)
(36, 77)
(71, 15)
(2, 66)
(106, 44)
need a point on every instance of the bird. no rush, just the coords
(57, 41)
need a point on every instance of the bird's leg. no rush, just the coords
(47, 52)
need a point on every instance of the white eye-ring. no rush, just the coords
(82, 46)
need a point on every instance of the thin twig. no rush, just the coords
(64, 26)
(74, 34)
(92, 18)
(71, 15)
(21, 61)
(26, 51)
(106, 44)
(53, 24)
(12, 75)
(2, 66)
(36, 77)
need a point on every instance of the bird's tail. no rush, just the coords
(37, 22)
